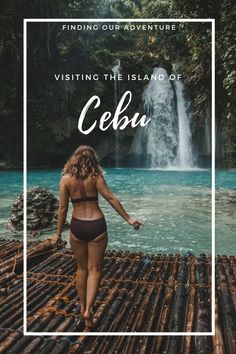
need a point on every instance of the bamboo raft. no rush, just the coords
(152, 293)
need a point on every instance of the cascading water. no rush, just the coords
(116, 71)
(207, 134)
(166, 140)
(185, 155)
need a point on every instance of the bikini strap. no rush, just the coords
(82, 189)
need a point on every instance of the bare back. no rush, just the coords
(88, 209)
(84, 209)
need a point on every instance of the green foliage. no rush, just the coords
(52, 106)
(224, 13)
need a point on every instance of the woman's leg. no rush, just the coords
(80, 250)
(96, 250)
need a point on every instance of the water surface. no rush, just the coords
(175, 207)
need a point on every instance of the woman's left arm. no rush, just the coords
(63, 206)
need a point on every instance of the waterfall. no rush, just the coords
(185, 155)
(207, 134)
(166, 141)
(116, 71)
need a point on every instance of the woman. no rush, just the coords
(82, 180)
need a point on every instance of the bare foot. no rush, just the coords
(88, 316)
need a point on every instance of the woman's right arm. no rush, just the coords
(105, 191)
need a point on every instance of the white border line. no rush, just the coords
(213, 175)
(25, 177)
(212, 333)
(118, 20)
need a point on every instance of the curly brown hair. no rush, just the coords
(83, 163)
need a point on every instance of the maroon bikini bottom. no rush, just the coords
(87, 230)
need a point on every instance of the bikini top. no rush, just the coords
(84, 197)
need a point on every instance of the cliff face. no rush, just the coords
(228, 143)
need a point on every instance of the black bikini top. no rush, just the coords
(84, 197)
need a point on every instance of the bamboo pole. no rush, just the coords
(167, 293)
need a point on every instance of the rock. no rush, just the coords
(42, 208)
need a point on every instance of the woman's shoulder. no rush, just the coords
(99, 180)
(97, 177)
(66, 179)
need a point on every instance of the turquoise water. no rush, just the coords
(175, 207)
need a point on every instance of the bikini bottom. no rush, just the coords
(87, 230)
